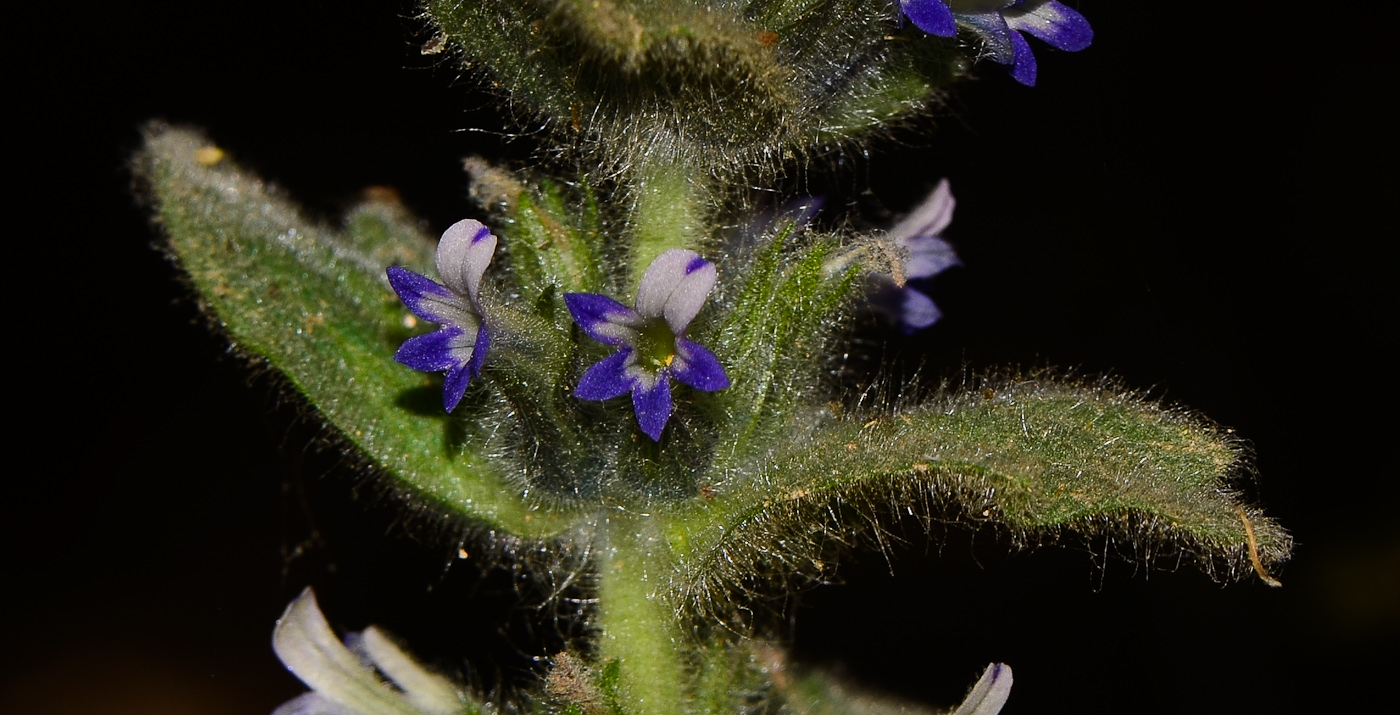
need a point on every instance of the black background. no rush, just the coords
(1192, 204)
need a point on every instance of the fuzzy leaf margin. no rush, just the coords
(1040, 456)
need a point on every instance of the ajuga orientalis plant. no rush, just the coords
(602, 377)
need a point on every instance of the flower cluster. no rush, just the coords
(459, 346)
(651, 342)
(1000, 24)
(926, 255)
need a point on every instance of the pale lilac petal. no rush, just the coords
(603, 318)
(313, 704)
(929, 256)
(429, 692)
(916, 310)
(607, 378)
(989, 694)
(675, 287)
(307, 646)
(1053, 23)
(930, 217)
(907, 307)
(931, 16)
(463, 254)
(430, 353)
(1023, 67)
(698, 367)
(653, 405)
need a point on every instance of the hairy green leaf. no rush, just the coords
(314, 303)
(1037, 456)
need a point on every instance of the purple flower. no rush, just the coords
(928, 255)
(1000, 24)
(651, 342)
(459, 346)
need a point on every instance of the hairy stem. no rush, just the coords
(665, 215)
(637, 627)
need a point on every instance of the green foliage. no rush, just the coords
(749, 488)
(716, 86)
(314, 302)
(776, 337)
(1036, 456)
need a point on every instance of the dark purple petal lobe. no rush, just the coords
(413, 290)
(607, 378)
(454, 385)
(1023, 62)
(1053, 23)
(698, 367)
(996, 36)
(595, 312)
(653, 406)
(483, 343)
(931, 16)
(431, 352)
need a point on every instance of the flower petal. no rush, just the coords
(996, 36)
(989, 694)
(429, 692)
(1023, 65)
(916, 310)
(929, 256)
(432, 352)
(698, 367)
(463, 254)
(454, 385)
(653, 405)
(313, 704)
(603, 318)
(607, 378)
(930, 217)
(479, 348)
(1053, 23)
(307, 646)
(425, 297)
(675, 287)
(931, 16)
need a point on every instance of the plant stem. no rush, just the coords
(637, 626)
(665, 214)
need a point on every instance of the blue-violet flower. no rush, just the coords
(1000, 24)
(917, 236)
(651, 342)
(459, 346)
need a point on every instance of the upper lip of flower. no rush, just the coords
(459, 347)
(651, 339)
